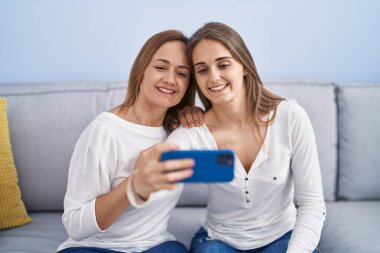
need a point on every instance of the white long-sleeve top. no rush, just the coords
(257, 207)
(104, 156)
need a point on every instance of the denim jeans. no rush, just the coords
(167, 247)
(201, 243)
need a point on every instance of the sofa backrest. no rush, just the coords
(319, 101)
(359, 142)
(45, 122)
(47, 119)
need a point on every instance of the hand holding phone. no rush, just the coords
(151, 174)
(211, 166)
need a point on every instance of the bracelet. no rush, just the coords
(133, 198)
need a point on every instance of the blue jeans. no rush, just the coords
(167, 247)
(201, 243)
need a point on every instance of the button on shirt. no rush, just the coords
(257, 207)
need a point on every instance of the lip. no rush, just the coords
(165, 90)
(218, 88)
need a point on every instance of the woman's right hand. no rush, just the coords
(152, 175)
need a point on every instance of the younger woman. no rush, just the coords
(276, 154)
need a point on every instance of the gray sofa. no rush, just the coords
(47, 119)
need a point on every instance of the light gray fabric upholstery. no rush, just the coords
(359, 125)
(194, 195)
(43, 235)
(50, 135)
(324, 120)
(351, 227)
(47, 232)
(185, 221)
(45, 122)
(318, 100)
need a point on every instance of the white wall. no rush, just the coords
(97, 40)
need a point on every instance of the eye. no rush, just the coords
(201, 70)
(224, 65)
(182, 74)
(160, 67)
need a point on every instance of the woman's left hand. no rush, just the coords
(191, 116)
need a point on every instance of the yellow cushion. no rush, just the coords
(12, 209)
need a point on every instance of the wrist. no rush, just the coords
(133, 198)
(137, 190)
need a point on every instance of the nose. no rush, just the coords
(214, 76)
(169, 77)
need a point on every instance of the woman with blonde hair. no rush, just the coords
(275, 148)
(116, 162)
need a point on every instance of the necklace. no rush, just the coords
(137, 117)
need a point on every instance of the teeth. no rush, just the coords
(220, 87)
(166, 90)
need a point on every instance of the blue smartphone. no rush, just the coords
(211, 166)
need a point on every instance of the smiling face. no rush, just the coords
(219, 76)
(166, 77)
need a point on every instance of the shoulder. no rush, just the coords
(100, 125)
(104, 120)
(182, 132)
(97, 132)
(291, 110)
(186, 137)
(296, 120)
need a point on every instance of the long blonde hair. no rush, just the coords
(141, 63)
(260, 101)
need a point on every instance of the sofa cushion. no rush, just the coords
(318, 100)
(12, 209)
(47, 232)
(185, 222)
(63, 110)
(194, 194)
(44, 234)
(351, 227)
(359, 142)
(324, 120)
(45, 122)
